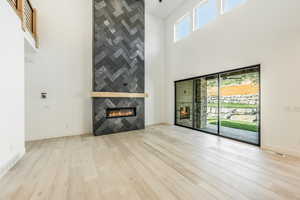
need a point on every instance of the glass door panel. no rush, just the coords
(226, 104)
(239, 105)
(184, 103)
(206, 104)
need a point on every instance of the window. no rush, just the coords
(205, 13)
(182, 28)
(228, 5)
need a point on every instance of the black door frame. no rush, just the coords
(218, 74)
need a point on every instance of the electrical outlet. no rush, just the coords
(288, 108)
(46, 106)
(296, 109)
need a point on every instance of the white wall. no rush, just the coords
(63, 68)
(154, 69)
(259, 32)
(11, 88)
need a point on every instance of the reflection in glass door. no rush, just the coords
(206, 104)
(225, 104)
(184, 103)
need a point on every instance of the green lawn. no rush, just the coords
(232, 105)
(236, 124)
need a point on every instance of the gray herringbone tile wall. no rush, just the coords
(119, 46)
(118, 61)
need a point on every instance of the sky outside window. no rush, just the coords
(183, 28)
(230, 4)
(205, 13)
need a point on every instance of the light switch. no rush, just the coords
(296, 109)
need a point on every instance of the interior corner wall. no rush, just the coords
(258, 32)
(62, 67)
(154, 69)
(11, 88)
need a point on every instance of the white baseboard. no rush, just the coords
(158, 124)
(280, 150)
(11, 163)
(55, 136)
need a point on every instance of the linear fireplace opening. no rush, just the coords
(120, 112)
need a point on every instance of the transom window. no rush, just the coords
(228, 5)
(205, 12)
(182, 27)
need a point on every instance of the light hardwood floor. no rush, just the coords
(161, 162)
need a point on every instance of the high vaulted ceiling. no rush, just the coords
(162, 9)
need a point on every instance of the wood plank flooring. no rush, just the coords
(161, 162)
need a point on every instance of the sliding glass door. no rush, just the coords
(225, 104)
(239, 105)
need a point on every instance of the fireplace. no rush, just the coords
(120, 112)
(115, 115)
(118, 66)
(185, 112)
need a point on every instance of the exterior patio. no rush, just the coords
(239, 134)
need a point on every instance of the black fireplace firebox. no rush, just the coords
(115, 115)
(120, 112)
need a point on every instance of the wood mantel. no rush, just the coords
(118, 95)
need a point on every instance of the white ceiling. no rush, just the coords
(162, 9)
